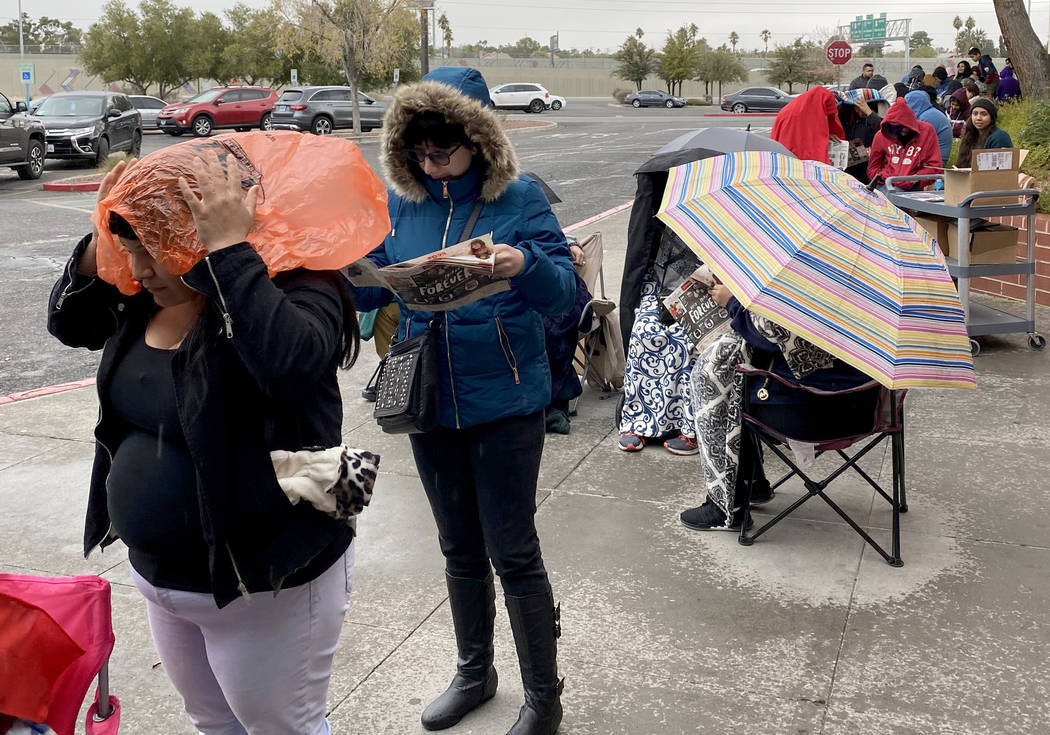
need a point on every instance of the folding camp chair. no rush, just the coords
(887, 422)
(599, 356)
(60, 628)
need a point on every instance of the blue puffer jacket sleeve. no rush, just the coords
(547, 280)
(373, 297)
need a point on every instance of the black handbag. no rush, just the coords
(407, 395)
(408, 390)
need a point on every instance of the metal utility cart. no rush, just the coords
(981, 319)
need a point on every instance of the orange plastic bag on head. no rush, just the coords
(320, 204)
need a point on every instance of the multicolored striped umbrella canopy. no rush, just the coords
(810, 248)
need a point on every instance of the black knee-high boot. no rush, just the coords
(536, 625)
(473, 603)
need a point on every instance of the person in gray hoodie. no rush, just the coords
(920, 104)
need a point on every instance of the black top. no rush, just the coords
(263, 379)
(152, 485)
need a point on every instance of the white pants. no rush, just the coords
(260, 665)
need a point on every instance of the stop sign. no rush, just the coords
(839, 52)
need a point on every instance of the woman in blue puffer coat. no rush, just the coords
(444, 151)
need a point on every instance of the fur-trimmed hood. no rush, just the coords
(462, 97)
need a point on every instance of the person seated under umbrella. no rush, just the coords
(729, 463)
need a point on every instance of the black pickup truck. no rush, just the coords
(22, 140)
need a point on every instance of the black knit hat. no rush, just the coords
(985, 105)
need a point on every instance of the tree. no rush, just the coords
(793, 64)
(157, 46)
(679, 58)
(920, 39)
(446, 34)
(1026, 52)
(253, 37)
(765, 35)
(206, 59)
(523, 49)
(970, 36)
(637, 61)
(734, 39)
(358, 35)
(45, 35)
(720, 66)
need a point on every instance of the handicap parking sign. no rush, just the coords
(25, 73)
(27, 76)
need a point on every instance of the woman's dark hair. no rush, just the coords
(931, 92)
(900, 88)
(971, 86)
(941, 73)
(351, 339)
(432, 126)
(967, 66)
(120, 227)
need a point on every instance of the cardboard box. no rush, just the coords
(991, 169)
(990, 243)
(937, 227)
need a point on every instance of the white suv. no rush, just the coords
(520, 96)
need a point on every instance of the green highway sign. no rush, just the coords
(869, 28)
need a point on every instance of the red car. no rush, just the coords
(240, 108)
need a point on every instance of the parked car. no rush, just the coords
(149, 108)
(22, 140)
(324, 109)
(555, 103)
(756, 99)
(88, 126)
(653, 98)
(240, 108)
(529, 97)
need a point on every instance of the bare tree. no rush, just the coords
(1026, 52)
(356, 33)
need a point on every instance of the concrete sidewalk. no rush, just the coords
(665, 630)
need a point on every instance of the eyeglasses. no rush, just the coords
(438, 158)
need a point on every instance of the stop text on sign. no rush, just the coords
(839, 52)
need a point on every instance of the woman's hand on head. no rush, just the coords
(223, 212)
(507, 261)
(88, 265)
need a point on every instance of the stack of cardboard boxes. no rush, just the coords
(990, 242)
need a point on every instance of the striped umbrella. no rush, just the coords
(810, 248)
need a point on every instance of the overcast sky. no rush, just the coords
(603, 24)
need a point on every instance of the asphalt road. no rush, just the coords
(588, 159)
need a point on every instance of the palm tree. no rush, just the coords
(766, 35)
(734, 39)
(446, 34)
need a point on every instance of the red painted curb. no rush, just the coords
(47, 390)
(595, 218)
(58, 185)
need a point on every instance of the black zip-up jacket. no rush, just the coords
(264, 380)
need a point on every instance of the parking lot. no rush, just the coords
(588, 159)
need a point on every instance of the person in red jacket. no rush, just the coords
(904, 146)
(806, 124)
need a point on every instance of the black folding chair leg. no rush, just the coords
(899, 439)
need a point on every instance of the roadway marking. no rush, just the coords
(57, 206)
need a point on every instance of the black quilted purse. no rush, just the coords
(408, 389)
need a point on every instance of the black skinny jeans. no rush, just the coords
(481, 484)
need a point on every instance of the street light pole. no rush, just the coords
(22, 49)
